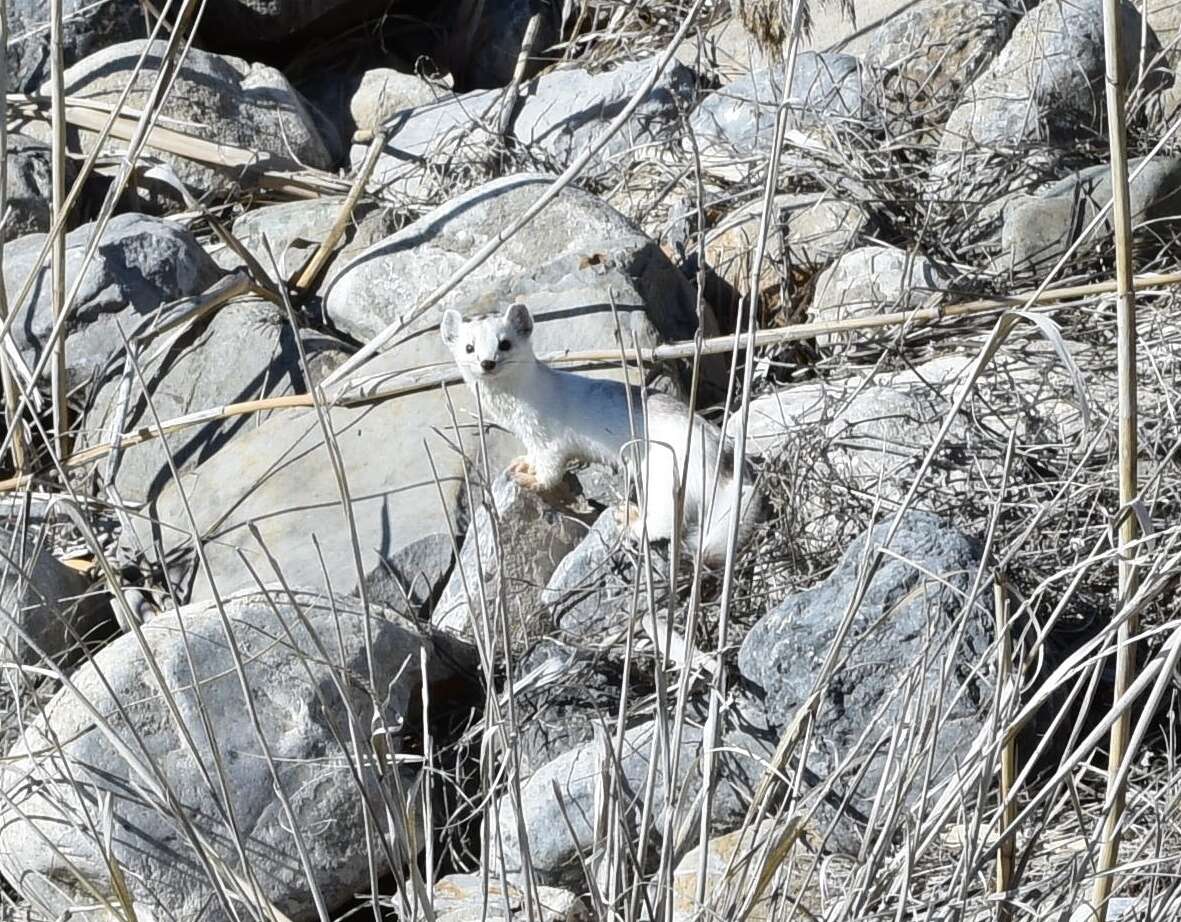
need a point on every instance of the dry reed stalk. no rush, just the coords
(6, 380)
(1126, 374)
(508, 104)
(311, 271)
(1007, 852)
(57, 255)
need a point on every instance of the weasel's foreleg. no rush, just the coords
(540, 471)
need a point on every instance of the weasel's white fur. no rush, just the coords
(563, 417)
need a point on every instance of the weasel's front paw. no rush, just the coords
(524, 474)
(627, 516)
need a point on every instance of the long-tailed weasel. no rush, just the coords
(563, 417)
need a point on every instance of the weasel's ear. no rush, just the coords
(449, 328)
(519, 319)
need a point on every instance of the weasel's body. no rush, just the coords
(563, 417)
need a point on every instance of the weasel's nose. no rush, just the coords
(487, 364)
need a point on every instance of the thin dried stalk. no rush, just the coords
(1126, 373)
(306, 278)
(10, 395)
(57, 255)
(509, 103)
(1006, 853)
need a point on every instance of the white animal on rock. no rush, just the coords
(562, 417)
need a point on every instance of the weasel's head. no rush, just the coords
(490, 346)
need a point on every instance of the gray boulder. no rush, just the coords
(735, 125)
(44, 611)
(558, 115)
(564, 112)
(304, 660)
(592, 593)
(873, 280)
(914, 679)
(1045, 88)
(28, 187)
(86, 27)
(141, 264)
(444, 132)
(567, 265)
(277, 477)
(1040, 228)
(246, 351)
(558, 801)
(806, 232)
(512, 547)
(928, 54)
(214, 98)
(295, 230)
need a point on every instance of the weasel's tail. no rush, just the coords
(715, 526)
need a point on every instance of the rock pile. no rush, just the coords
(374, 649)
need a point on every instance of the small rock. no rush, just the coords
(295, 230)
(725, 855)
(301, 714)
(915, 660)
(29, 187)
(806, 232)
(141, 264)
(565, 111)
(592, 592)
(413, 578)
(873, 280)
(383, 92)
(735, 125)
(1040, 228)
(87, 27)
(558, 801)
(246, 351)
(44, 614)
(465, 898)
(507, 557)
(214, 98)
(929, 53)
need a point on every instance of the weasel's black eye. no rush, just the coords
(470, 348)
(505, 345)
